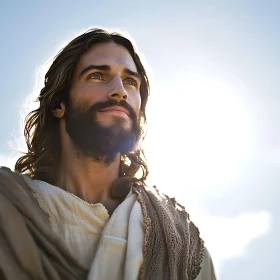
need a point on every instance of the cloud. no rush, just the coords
(229, 237)
(270, 155)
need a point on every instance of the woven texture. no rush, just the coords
(172, 246)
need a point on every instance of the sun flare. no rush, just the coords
(203, 130)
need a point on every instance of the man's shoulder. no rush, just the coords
(179, 214)
(163, 198)
(12, 182)
(7, 173)
(4, 169)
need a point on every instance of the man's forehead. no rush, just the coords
(107, 54)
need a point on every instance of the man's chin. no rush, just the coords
(115, 123)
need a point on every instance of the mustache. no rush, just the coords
(102, 105)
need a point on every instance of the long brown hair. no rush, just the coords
(42, 128)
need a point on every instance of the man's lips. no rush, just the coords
(115, 109)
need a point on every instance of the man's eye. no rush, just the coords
(130, 81)
(96, 76)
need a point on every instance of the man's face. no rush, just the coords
(102, 117)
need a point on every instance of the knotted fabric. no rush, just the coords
(172, 246)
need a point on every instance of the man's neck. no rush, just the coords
(88, 179)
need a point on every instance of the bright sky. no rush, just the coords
(213, 116)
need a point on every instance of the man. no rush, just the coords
(77, 206)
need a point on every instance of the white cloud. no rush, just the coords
(270, 155)
(229, 237)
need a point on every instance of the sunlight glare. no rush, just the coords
(202, 130)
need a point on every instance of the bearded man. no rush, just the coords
(75, 208)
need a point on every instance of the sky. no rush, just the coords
(213, 136)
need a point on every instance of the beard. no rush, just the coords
(98, 141)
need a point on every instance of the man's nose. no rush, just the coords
(117, 91)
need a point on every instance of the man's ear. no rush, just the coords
(59, 111)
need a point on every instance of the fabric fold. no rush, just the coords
(38, 253)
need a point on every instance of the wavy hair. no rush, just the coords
(41, 130)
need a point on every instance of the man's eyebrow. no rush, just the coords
(95, 67)
(132, 73)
